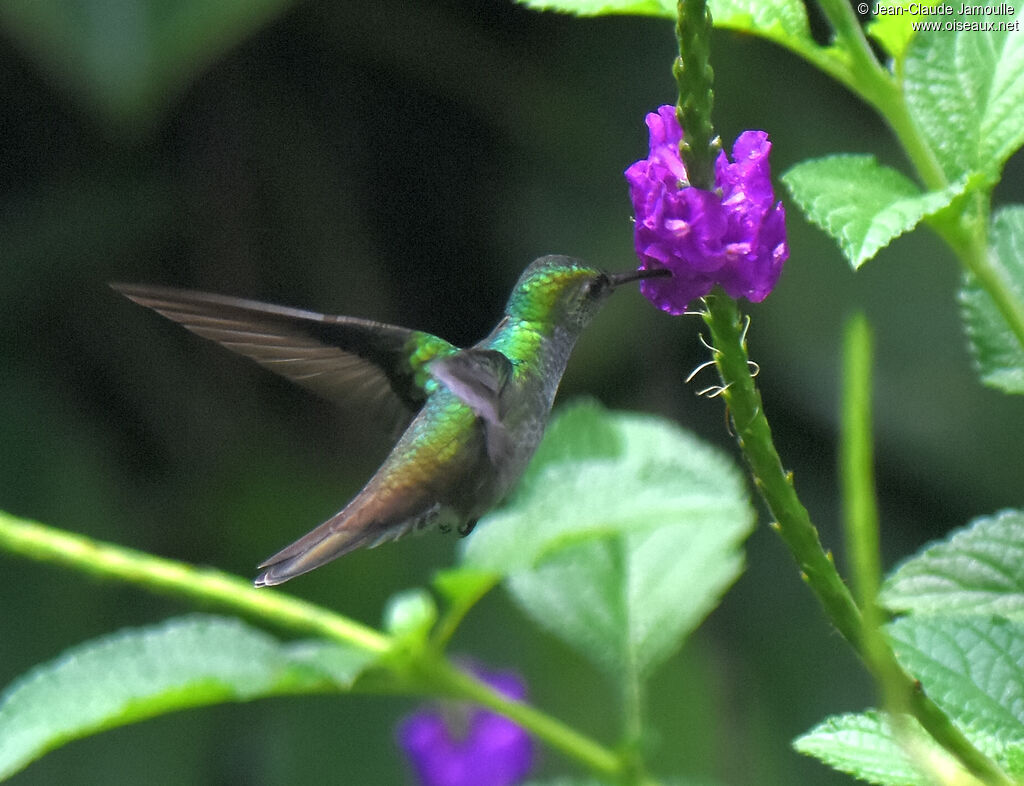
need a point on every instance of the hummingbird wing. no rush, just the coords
(478, 377)
(339, 358)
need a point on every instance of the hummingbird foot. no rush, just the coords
(466, 528)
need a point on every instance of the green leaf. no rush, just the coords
(461, 586)
(973, 667)
(863, 745)
(410, 615)
(619, 554)
(892, 33)
(128, 61)
(996, 349)
(965, 91)
(581, 429)
(860, 203)
(782, 21)
(1013, 761)
(136, 674)
(977, 570)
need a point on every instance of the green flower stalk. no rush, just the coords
(699, 145)
(817, 566)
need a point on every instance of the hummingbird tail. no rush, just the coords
(310, 551)
(356, 526)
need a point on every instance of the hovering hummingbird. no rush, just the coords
(477, 414)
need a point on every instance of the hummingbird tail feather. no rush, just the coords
(309, 552)
(346, 531)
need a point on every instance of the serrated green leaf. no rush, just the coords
(620, 555)
(996, 349)
(128, 61)
(973, 667)
(979, 569)
(136, 674)
(860, 203)
(965, 91)
(863, 745)
(783, 21)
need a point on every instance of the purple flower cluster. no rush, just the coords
(465, 745)
(734, 237)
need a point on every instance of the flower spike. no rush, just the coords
(733, 237)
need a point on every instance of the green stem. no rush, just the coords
(966, 232)
(600, 760)
(982, 263)
(633, 722)
(794, 526)
(107, 561)
(860, 512)
(695, 78)
(459, 608)
(849, 34)
(871, 81)
(273, 607)
(753, 434)
(856, 469)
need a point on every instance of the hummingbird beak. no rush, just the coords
(636, 275)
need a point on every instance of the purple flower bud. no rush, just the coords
(734, 237)
(457, 744)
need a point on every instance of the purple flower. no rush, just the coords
(734, 237)
(457, 744)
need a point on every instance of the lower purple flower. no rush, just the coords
(458, 744)
(734, 237)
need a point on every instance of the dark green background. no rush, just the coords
(404, 162)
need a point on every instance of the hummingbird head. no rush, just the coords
(565, 292)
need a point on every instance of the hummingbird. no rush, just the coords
(473, 416)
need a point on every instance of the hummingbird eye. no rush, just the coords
(597, 286)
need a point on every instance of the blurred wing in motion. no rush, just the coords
(343, 359)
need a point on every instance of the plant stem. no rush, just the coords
(966, 231)
(273, 607)
(860, 512)
(597, 758)
(856, 470)
(983, 263)
(695, 78)
(868, 79)
(753, 434)
(794, 526)
(206, 585)
(865, 68)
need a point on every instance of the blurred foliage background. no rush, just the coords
(404, 162)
